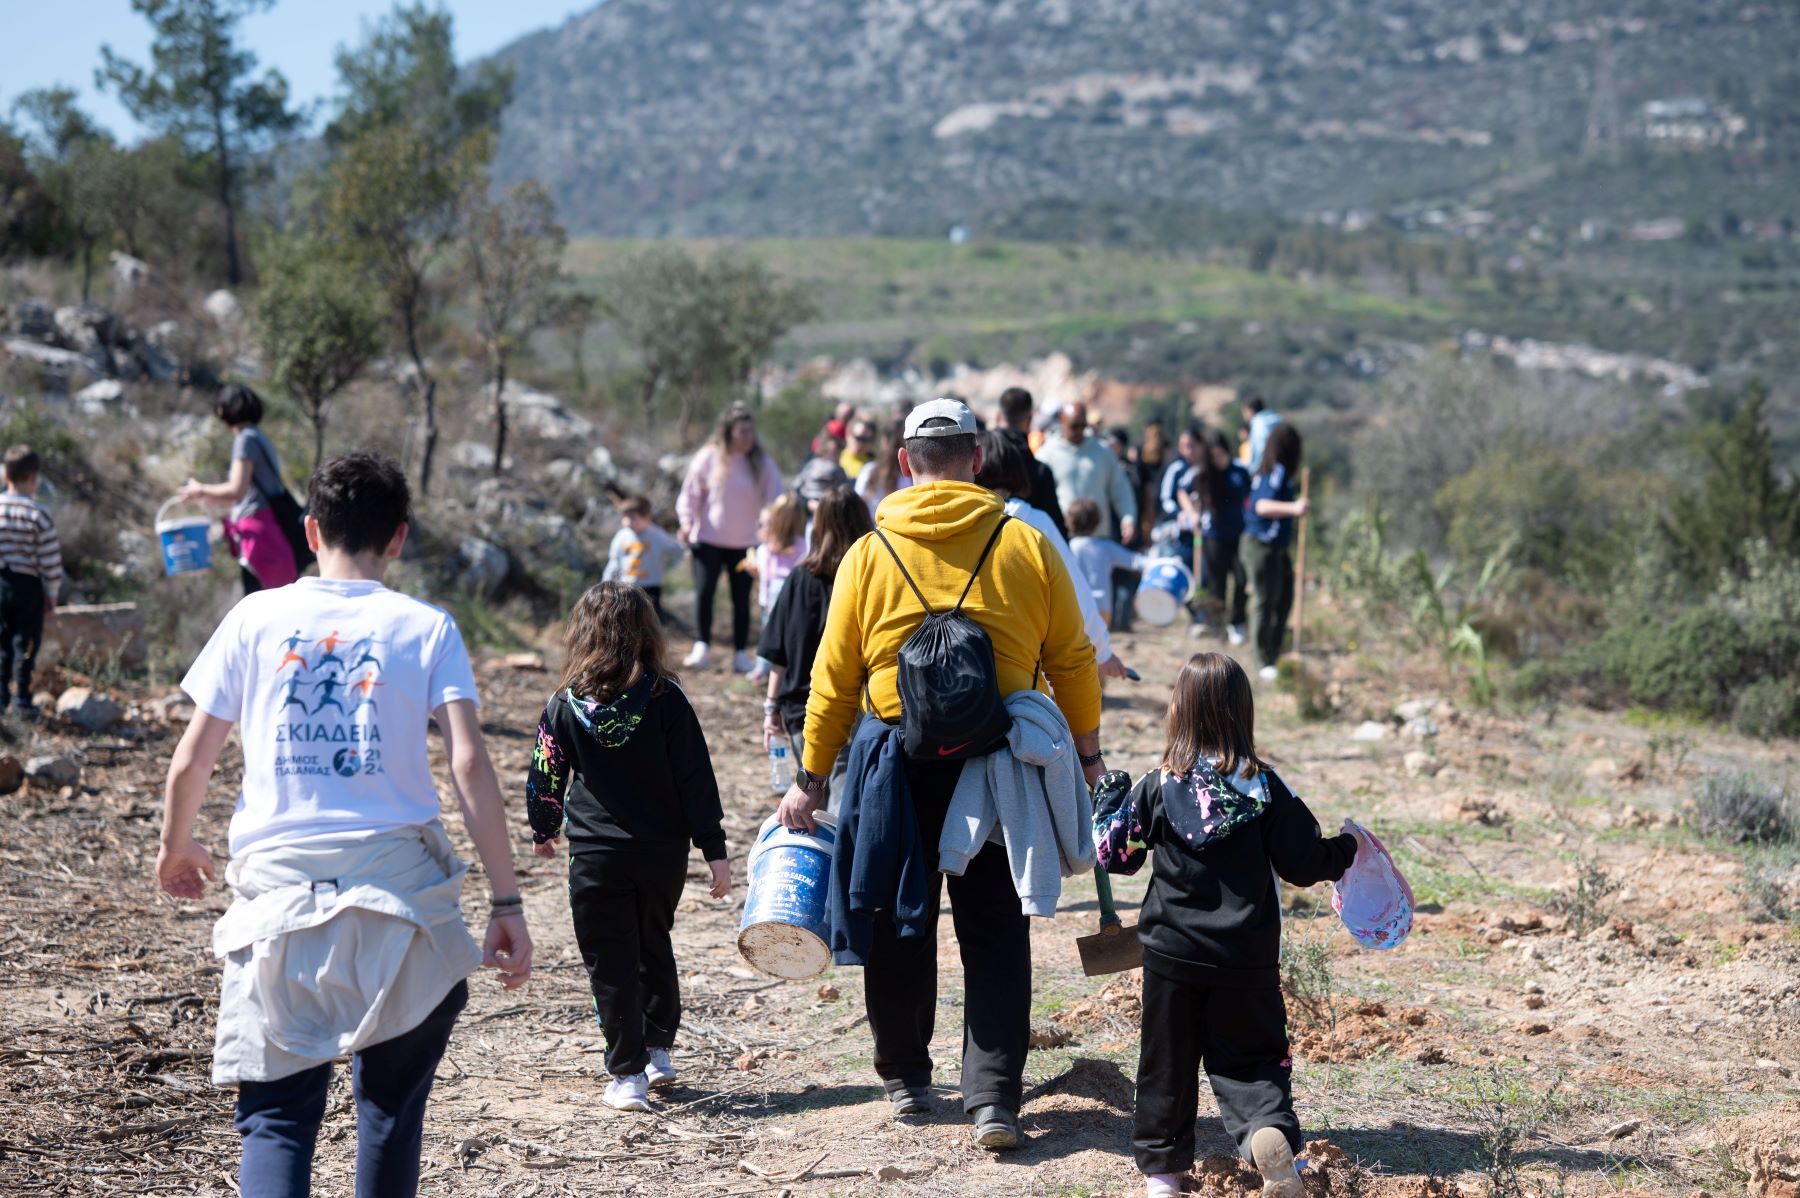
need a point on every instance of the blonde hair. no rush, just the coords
(731, 417)
(784, 521)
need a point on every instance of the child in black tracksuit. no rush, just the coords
(1218, 820)
(622, 766)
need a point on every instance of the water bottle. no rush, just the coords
(780, 776)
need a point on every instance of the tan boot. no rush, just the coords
(1275, 1161)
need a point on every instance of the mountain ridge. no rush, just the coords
(747, 117)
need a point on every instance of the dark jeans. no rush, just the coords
(1124, 596)
(21, 631)
(624, 907)
(655, 594)
(1271, 570)
(279, 1120)
(900, 980)
(1241, 1037)
(1220, 568)
(710, 562)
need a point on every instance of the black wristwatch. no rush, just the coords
(808, 781)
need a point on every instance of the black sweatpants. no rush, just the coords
(21, 631)
(1124, 598)
(655, 594)
(1221, 568)
(710, 561)
(994, 936)
(1271, 570)
(624, 907)
(1241, 1037)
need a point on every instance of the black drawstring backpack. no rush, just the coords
(950, 703)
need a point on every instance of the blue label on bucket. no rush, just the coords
(1164, 589)
(185, 548)
(788, 876)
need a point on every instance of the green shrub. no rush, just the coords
(1767, 708)
(1765, 885)
(1695, 663)
(1742, 809)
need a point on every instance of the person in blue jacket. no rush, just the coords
(1219, 489)
(1271, 513)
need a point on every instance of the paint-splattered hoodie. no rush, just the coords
(1212, 914)
(631, 775)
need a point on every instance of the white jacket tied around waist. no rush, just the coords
(335, 946)
(1028, 794)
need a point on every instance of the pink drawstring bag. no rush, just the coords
(1372, 898)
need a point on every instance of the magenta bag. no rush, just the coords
(1372, 898)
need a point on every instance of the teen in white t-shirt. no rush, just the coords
(345, 931)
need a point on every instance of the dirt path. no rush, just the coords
(1654, 1052)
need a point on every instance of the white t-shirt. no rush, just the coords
(1091, 619)
(332, 683)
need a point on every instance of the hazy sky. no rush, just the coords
(44, 42)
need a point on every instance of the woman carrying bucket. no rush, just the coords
(622, 766)
(264, 552)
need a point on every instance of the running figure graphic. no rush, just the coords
(365, 689)
(363, 653)
(328, 688)
(292, 698)
(331, 643)
(293, 644)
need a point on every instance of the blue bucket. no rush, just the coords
(1163, 592)
(186, 542)
(785, 924)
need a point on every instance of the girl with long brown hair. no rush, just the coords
(621, 768)
(729, 482)
(794, 627)
(1222, 826)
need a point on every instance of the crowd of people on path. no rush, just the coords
(1228, 515)
(933, 646)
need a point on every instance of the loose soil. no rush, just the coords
(1654, 1052)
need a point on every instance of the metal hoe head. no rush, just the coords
(1114, 948)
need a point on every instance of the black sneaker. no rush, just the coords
(909, 1100)
(997, 1128)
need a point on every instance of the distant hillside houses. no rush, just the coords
(1690, 122)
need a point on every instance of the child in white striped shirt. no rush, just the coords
(30, 576)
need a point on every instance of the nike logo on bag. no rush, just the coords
(945, 752)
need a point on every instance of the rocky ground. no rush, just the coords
(1585, 1005)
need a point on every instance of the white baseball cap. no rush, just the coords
(954, 410)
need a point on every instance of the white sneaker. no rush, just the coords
(628, 1093)
(699, 657)
(1235, 634)
(1268, 673)
(1162, 1185)
(742, 662)
(661, 1071)
(1196, 630)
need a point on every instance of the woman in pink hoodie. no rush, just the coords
(729, 482)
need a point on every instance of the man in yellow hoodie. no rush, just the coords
(1024, 599)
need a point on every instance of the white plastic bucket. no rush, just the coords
(186, 541)
(785, 927)
(1164, 591)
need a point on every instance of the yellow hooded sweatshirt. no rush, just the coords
(1024, 600)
